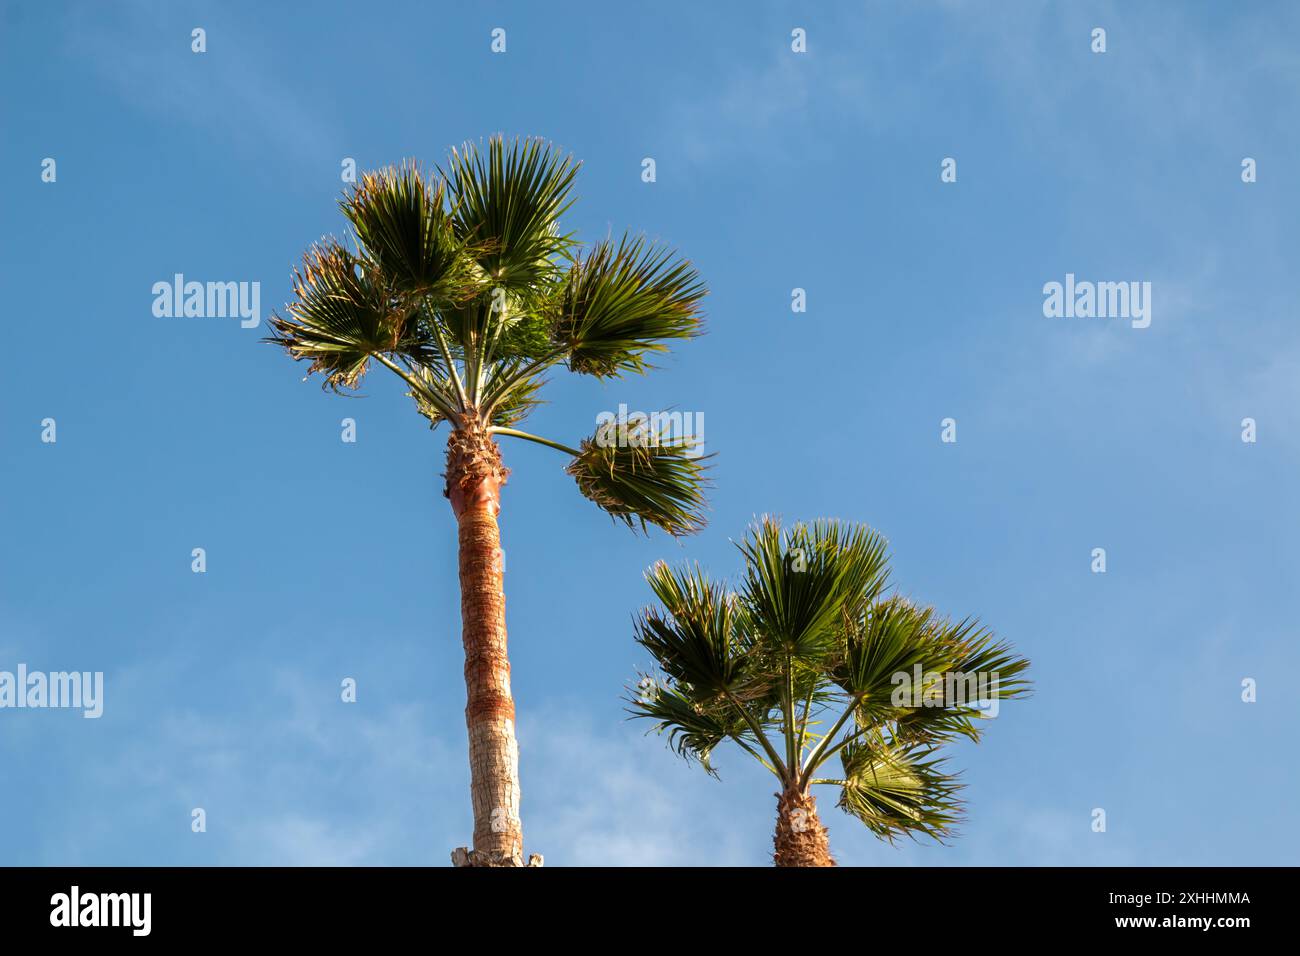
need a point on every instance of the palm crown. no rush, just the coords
(463, 284)
(802, 664)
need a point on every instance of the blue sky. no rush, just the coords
(774, 171)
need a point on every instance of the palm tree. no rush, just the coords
(461, 283)
(810, 659)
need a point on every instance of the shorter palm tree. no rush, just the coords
(811, 659)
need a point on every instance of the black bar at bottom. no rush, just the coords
(946, 906)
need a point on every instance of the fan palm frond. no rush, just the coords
(896, 792)
(694, 729)
(621, 303)
(402, 223)
(972, 649)
(659, 482)
(507, 201)
(696, 643)
(799, 583)
(519, 401)
(884, 640)
(927, 677)
(343, 314)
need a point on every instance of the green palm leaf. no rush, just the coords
(895, 792)
(401, 221)
(923, 675)
(519, 401)
(972, 649)
(697, 643)
(507, 201)
(619, 304)
(344, 314)
(800, 583)
(694, 729)
(885, 640)
(658, 483)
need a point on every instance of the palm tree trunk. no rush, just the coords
(800, 837)
(474, 479)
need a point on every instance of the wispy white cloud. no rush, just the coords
(1163, 76)
(616, 797)
(292, 776)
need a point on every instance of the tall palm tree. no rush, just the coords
(810, 659)
(462, 284)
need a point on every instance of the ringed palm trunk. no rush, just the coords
(474, 479)
(800, 837)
